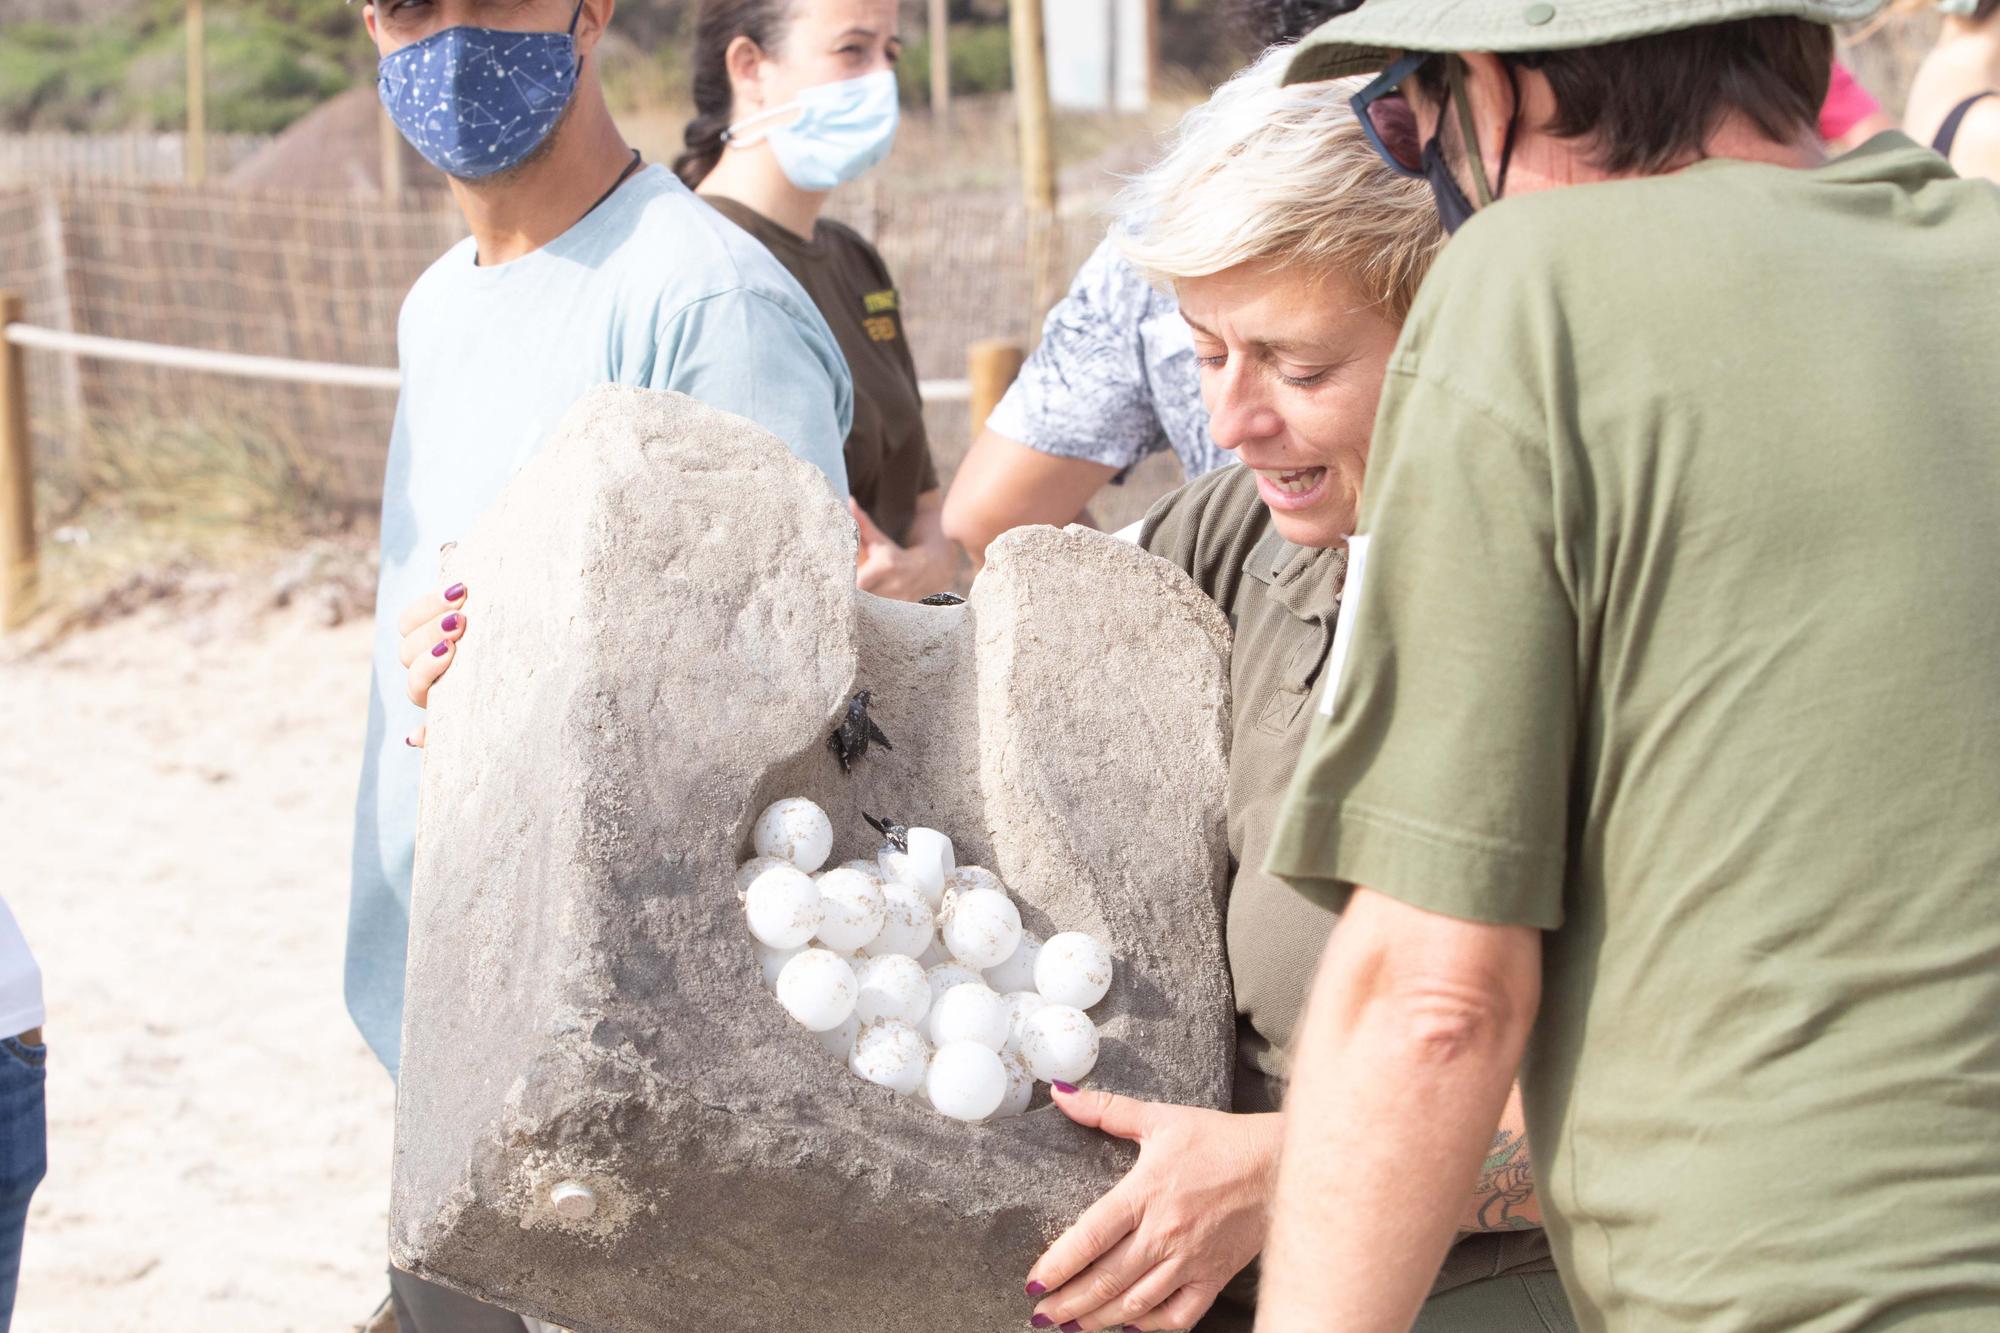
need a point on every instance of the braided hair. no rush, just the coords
(719, 23)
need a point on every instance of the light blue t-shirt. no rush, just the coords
(653, 288)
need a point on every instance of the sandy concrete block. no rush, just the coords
(603, 1119)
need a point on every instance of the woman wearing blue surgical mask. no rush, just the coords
(794, 99)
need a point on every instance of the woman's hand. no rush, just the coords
(1190, 1215)
(431, 627)
(928, 564)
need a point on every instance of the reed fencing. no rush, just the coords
(134, 158)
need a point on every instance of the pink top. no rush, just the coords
(1847, 105)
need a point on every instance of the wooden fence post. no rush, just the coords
(991, 366)
(196, 147)
(17, 477)
(940, 37)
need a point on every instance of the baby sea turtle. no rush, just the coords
(941, 599)
(897, 835)
(851, 739)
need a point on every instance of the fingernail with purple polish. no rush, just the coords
(1061, 1086)
(449, 623)
(441, 650)
(1042, 1321)
(1071, 1327)
(1036, 1288)
(454, 592)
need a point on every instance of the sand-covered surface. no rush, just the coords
(175, 791)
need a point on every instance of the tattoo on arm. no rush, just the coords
(1506, 1187)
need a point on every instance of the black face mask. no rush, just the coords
(1452, 205)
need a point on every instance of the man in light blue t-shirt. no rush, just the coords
(584, 267)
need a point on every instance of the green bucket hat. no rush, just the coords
(1372, 36)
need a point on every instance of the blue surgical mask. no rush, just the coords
(476, 101)
(841, 130)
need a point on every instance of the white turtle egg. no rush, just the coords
(935, 953)
(927, 878)
(773, 962)
(892, 1054)
(1073, 969)
(837, 1042)
(755, 866)
(907, 923)
(966, 1081)
(867, 866)
(817, 988)
(1020, 1004)
(1017, 971)
(783, 907)
(982, 928)
(1020, 1087)
(851, 910)
(1059, 1042)
(946, 975)
(974, 877)
(928, 847)
(970, 1012)
(795, 829)
(891, 987)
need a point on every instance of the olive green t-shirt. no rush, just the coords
(888, 451)
(1282, 601)
(1675, 632)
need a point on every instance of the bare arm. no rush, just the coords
(1004, 484)
(1977, 151)
(1410, 1043)
(1504, 1198)
(928, 563)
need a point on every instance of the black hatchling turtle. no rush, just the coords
(856, 732)
(941, 599)
(896, 835)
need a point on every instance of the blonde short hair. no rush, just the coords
(1281, 175)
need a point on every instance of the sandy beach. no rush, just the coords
(176, 789)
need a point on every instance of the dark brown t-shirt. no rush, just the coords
(888, 453)
(1282, 601)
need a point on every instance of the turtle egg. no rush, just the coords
(867, 866)
(926, 877)
(747, 873)
(891, 987)
(907, 923)
(795, 829)
(982, 929)
(891, 1054)
(783, 907)
(974, 877)
(851, 911)
(1059, 1042)
(817, 988)
(928, 847)
(1020, 1087)
(773, 962)
(1020, 1004)
(946, 975)
(970, 1012)
(966, 1081)
(837, 1042)
(1018, 971)
(1073, 969)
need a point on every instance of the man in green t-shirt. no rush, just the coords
(1661, 733)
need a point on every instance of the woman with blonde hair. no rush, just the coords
(1293, 253)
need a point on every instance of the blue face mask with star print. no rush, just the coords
(476, 101)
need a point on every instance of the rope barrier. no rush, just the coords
(245, 366)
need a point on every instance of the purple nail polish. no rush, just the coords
(441, 650)
(454, 592)
(449, 623)
(1042, 1321)
(407, 741)
(1036, 1288)
(1061, 1086)
(1071, 1327)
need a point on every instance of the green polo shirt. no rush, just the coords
(1676, 634)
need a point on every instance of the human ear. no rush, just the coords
(745, 62)
(1490, 93)
(592, 22)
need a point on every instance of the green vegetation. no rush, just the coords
(269, 62)
(981, 62)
